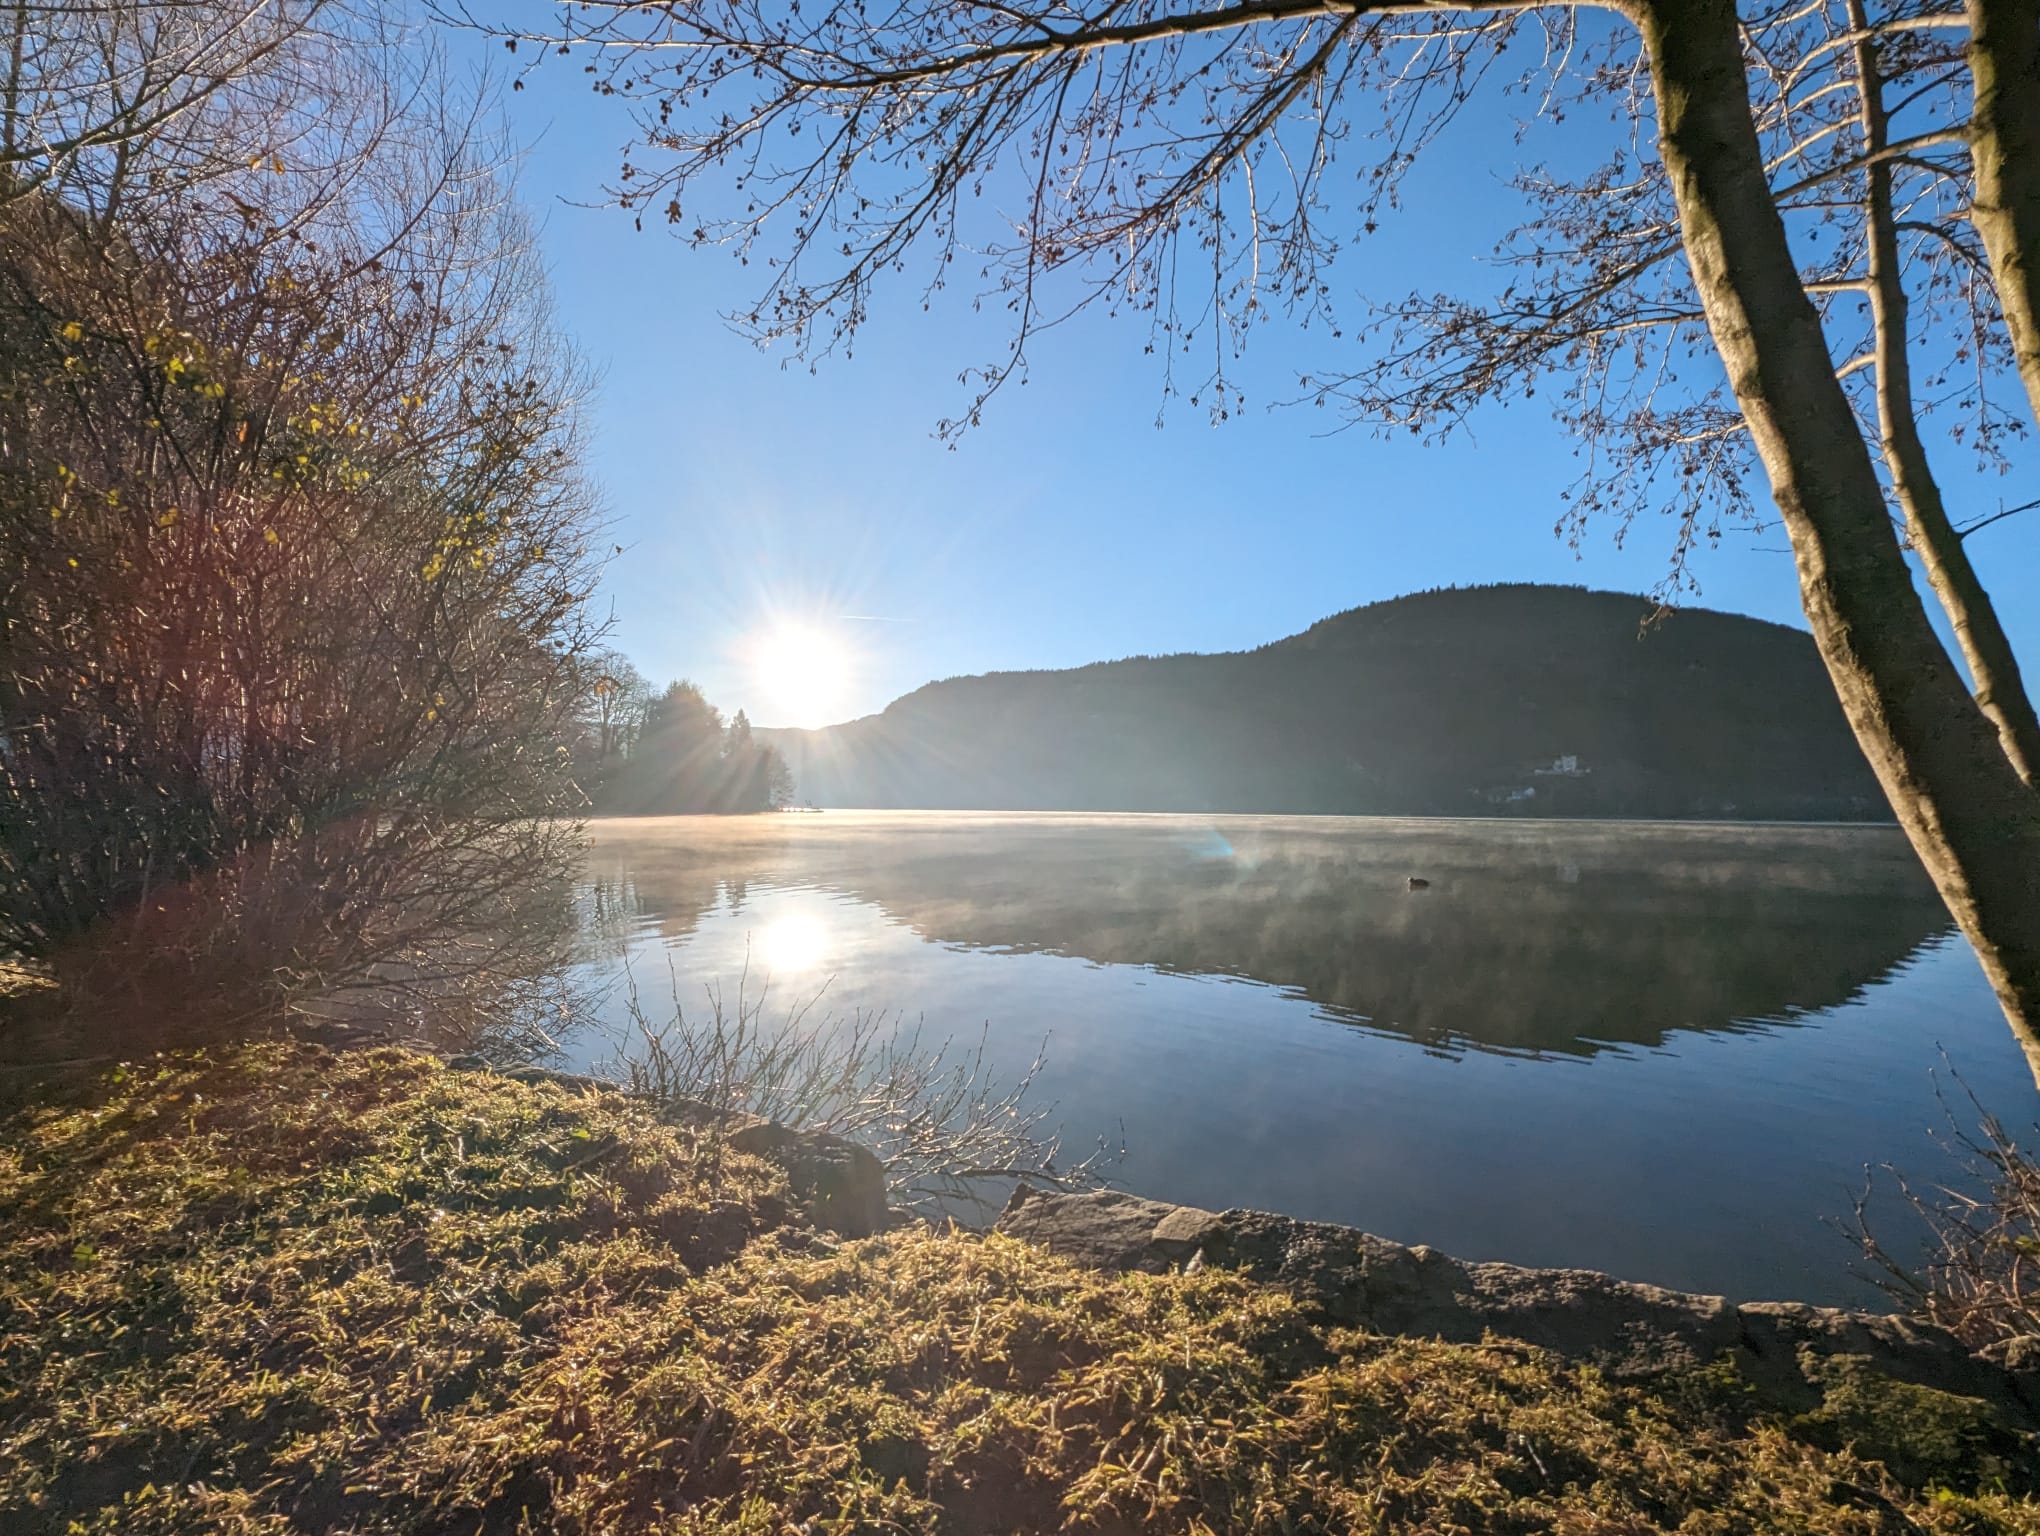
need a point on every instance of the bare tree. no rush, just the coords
(92, 88)
(1700, 301)
(1986, 650)
(618, 702)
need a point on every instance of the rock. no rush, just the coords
(1184, 1231)
(573, 1082)
(1102, 1229)
(841, 1184)
(1630, 1331)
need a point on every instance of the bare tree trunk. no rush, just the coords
(10, 136)
(2004, 68)
(1974, 824)
(1993, 666)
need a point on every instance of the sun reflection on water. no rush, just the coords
(799, 941)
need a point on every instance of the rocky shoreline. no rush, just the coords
(1788, 1352)
(1785, 1350)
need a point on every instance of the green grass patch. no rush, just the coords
(284, 1290)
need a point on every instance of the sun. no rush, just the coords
(804, 673)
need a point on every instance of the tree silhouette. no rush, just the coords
(686, 761)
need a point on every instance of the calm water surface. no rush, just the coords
(1664, 1051)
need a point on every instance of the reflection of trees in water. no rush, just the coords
(610, 912)
(1528, 938)
(617, 905)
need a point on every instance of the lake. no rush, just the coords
(1667, 1051)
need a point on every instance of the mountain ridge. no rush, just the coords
(1514, 699)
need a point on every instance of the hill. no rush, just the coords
(1530, 700)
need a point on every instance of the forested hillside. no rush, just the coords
(1528, 700)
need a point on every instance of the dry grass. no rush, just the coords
(283, 1290)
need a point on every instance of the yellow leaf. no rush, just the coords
(74, 331)
(168, 519)
(269, 536)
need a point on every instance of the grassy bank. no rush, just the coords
(279, 1290)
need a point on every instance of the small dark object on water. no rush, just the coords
(1419, 883)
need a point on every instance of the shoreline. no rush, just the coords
(1629, 1329)
(278, 1287)
(1722, 823)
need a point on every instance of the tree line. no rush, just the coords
(669, 752)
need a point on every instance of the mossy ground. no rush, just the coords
(278, 1289)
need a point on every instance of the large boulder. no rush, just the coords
(1630, 1331)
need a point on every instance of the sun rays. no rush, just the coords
(802, 670)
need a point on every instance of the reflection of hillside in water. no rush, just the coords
(1539, 937)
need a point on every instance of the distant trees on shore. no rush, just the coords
(670, 753)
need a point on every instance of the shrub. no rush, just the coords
(952, 1135)
(293, 551)
(1981, 1277)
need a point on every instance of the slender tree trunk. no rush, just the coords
(1974, 824)
(1993, 666)
(2004, 69)
(10, 135)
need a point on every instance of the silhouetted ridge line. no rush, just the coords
(1517, 699)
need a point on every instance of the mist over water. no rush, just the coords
(1663, 1050)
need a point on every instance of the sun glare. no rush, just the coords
(803, 672)
(796, 942)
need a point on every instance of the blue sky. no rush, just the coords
(750, 492)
